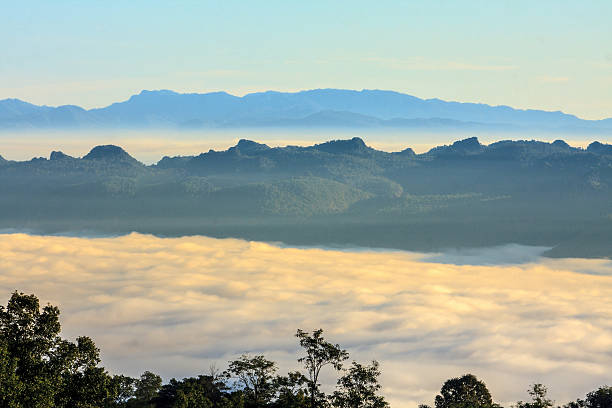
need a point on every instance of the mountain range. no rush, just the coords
(314, 108)
(339, 192)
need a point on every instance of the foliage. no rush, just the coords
(600, 398)
(464, 392)
(11, 388)
(145, 389)
(255, 375)
(358, 388)
(40, 368)
(195, 392)
(319, 353)
(538, 398)
(291, 391)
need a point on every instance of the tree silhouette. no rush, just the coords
(39, 368)
(600, 398)
(358, 388)
(256, 376)
(319, 353)
(538, 398)
(464, 392)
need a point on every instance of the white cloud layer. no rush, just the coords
(177, 305)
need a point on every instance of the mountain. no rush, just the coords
(354, 146)
(460, 147)
(313, 108)
(59, 156)
(109, 153)
(339, 192)
(600, 148)
(14, 108)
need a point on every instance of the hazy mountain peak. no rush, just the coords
(407, 152)
(249, 146)
(468, 145)
(58, 155)
(110, 153)
(2, 159)
(13, 108)
(168, 92)
(11, 101)
(160, 92)
(599, 148)
(348, 146)
(74, 108)
(561, 143)
(146, 96)
(309, 108)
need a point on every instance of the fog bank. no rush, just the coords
(174, 306)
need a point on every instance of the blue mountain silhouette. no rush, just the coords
(313, 108)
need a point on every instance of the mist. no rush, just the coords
(149, 146)
(176, 305)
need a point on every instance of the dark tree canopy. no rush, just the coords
(255, 375)
(291, 391)
(600, 398)
(48, 370)
(359, 387)
(464, 392)
(202, 391)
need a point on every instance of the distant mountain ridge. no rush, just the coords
(339, 192)
(245, 148)
(313, 108)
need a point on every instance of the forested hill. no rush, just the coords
(312, 108)
(341, 192)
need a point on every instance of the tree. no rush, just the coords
(40, 369)
(600, 398)
(146, 388)
(256, 375)
(200, 392)
(538, 398)
(10, 386)
(91, 388)
(30, 336)
(464, 392)
(358, 388)
(319, 353)
(124, 388)
(290, 391)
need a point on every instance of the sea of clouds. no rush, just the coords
(177, 305)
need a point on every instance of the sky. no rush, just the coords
(553, 55)
(177, 305)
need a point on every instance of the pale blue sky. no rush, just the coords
(554, 55)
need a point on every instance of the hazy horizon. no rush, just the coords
(149, 146)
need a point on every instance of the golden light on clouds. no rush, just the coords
(176, 305)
